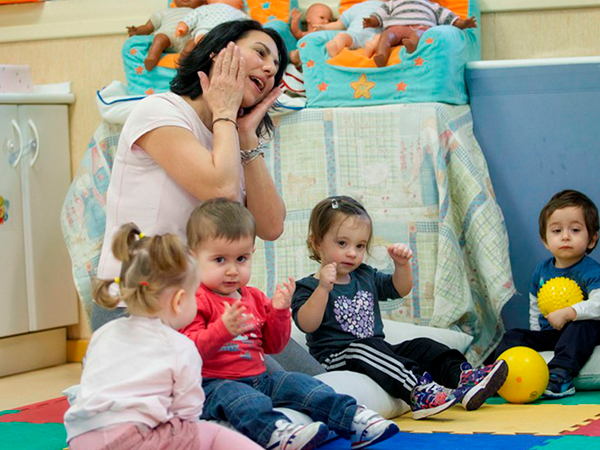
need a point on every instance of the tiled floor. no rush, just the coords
(38, 385)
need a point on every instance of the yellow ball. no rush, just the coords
(528, 375)
(558, 293)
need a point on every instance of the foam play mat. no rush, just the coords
(571, 424)
(34, 427)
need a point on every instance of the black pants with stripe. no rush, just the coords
(397, 368)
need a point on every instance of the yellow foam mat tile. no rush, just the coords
(545, 420)
(76, 349)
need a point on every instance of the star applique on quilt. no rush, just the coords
(362, 87)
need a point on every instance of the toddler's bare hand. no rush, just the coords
(559, 318)
(327, 276)
(400, 253)
(132, 31)
(283, 294)
(236, 320)
(295, 14)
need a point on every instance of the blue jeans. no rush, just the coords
(247, 403)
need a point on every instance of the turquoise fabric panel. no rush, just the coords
(139, 80)
(433, 73)
(284, 31)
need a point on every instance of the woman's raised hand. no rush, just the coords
(249, 122)
(224, 90)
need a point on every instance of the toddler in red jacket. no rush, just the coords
(236, 325)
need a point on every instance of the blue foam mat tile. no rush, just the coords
(434, 441)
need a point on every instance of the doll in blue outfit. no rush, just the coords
(568, 227)
(351, 23)
(338, 309)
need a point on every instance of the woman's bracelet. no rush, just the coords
(226, 119)
(250, 155)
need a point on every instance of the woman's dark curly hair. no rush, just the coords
(186, 81)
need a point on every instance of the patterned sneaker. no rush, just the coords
(288, 436)
(560, 384)
(429, 398)
(477, 385)
(369, 428)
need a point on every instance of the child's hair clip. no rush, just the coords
(117, 280)
(334, 203)
(142, 235)
(143, 283)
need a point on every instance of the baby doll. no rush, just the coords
(162, 23)
(351, 21)
(201, 20)
(316, 14)
(404, 21)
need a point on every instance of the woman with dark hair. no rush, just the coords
(199, 141)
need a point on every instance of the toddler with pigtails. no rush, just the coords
(338, 309)
(141, 385)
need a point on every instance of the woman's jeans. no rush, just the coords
(247, 403)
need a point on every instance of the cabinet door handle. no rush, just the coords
(34, 143)
(20, 144)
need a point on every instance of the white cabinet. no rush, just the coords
(36, 282)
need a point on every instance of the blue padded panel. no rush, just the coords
(537, 127)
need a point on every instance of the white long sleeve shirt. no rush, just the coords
(140, 370)
(586, 273)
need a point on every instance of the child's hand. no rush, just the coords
(320, 27)
(236, 320)
(370, 22)
(559, 318)
(182, 29)
(400, 254)
(283, 294)
(327, 276)
(295, 14)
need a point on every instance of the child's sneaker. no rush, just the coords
(560, 384)
(429, 398)
(477, 385)
(289, 436)
(369, 428)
